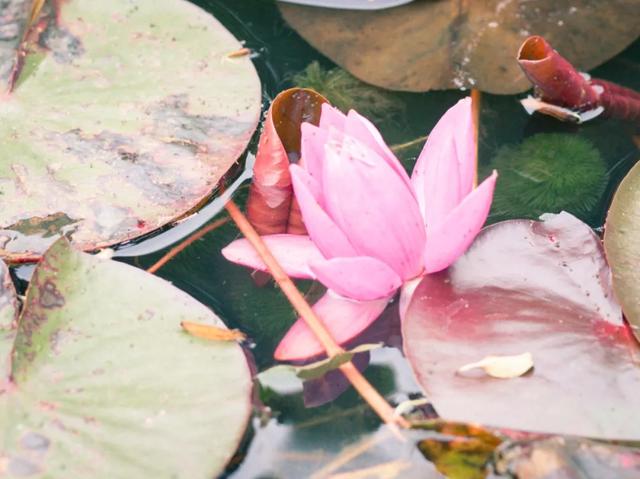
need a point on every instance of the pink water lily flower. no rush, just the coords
(372, 229)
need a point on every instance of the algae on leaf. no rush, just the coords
(124, 117)
(103, 383)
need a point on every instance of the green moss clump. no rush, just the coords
(548, 173)
(345, 92)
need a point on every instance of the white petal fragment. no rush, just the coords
(502, 367)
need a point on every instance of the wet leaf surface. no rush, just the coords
(106, 133)
(446, 44)
(105, 384)
(622, 245)
(542, 287)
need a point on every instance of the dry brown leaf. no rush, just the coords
(212, 333)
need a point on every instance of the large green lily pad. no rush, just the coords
(622, 246)
(124, 117)
(104, 384)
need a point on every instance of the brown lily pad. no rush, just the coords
(443, 44)
(124, 117)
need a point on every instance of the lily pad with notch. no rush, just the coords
(542, 287)
(123, 117)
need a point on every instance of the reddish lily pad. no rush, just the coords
(622, 245)
(103, 383)
(442, 44)
(528, 286)
(124, 117)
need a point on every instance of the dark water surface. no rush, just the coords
(289, 441)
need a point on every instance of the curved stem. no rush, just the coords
(302, 307)
(185, 243)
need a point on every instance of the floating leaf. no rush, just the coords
(320, 368)
(459, 451)
(271, 207)
(622, 245)
(104, 383)
(542, 287)
(124, 117)
(451, 44)
(212, 333)
(502, 367)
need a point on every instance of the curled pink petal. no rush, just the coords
(344, 318)
(359, 277)
(327, 236)
(373, 206)
(293, 252)
(357, 126)
(444, 172)
(332, 117)
(448, 241)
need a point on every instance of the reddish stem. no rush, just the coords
(560, 84)
(302, 307)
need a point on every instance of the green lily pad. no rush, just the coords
(103, 383)
(124, 117)
(622, 246)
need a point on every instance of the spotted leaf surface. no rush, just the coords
(124, 117)
(105, 384)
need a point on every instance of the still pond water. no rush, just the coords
(287, 440)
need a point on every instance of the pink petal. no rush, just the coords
(344, 318)
(332, 117)
(362, 277)
(373, 206)
(445, 169)
(312, 149)
(362, 129)
(448, 241)
(293, 252)
(327, 236)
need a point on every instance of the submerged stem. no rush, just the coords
(185, 243)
